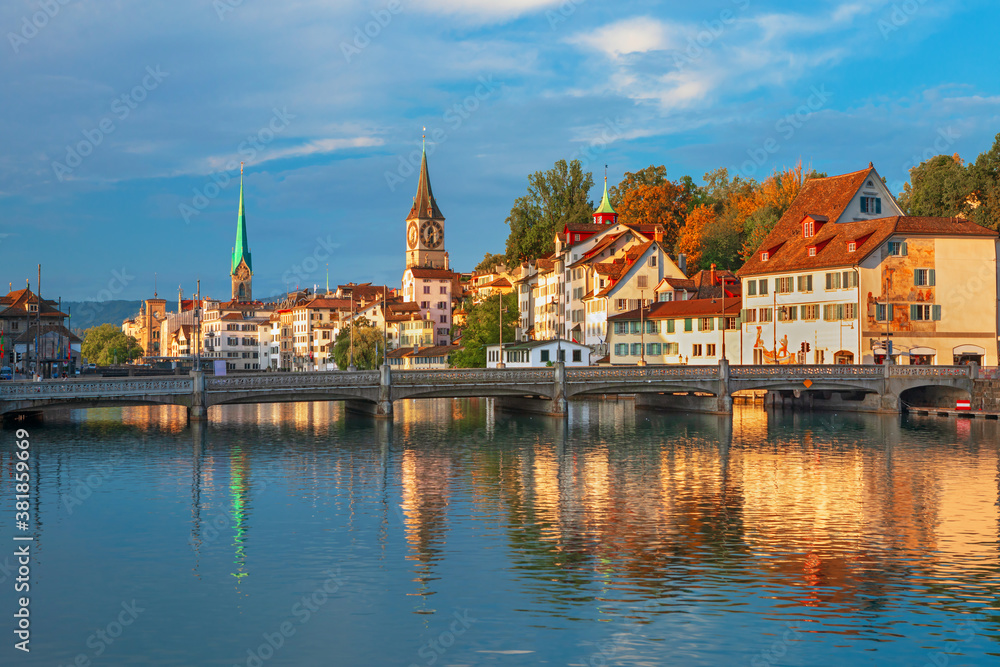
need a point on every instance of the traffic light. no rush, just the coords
(802, 346)
(808, 347)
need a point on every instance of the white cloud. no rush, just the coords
(640, 34)
(485, 10)
(217, 163)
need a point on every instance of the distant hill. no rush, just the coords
(86, 314)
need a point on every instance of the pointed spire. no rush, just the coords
(605, 202)
(242, 249)
(424, 205)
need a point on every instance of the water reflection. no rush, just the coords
(859, 526)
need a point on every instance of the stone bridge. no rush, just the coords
(706, 388)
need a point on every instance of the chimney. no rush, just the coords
(713, 276)
(658, 233)
(415, 348)
(682, 263)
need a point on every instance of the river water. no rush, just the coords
(296, 534)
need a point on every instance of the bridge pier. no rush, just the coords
(198, 412)
(384, 408)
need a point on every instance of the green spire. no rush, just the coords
(605, 202)
(242, 249)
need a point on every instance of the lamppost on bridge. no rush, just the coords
(642, 329)
(500, 363)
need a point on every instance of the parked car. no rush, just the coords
(6, 373)
(91, 367)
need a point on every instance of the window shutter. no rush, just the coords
(892, 311)
(916, 276)
(931, 279)
(722, 324)
(902, 248)
(670, 326)
(913, 311)
(937, 313)
(878, 204)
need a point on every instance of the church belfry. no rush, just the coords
(241, 266)
(425, 226)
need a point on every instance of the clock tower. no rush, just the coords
(425, 227)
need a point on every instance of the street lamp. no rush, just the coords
(642, 331)
(350, 366)
(500, 363)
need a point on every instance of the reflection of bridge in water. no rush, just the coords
(546, 390)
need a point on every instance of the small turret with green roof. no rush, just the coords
(605, 215)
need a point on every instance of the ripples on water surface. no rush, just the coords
(458, 537)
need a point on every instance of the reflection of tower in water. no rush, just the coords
(239, 493)
(425, 479)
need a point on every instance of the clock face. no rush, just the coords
(431, 234)
(411, 235)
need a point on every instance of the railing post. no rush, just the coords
(384, 409)
(559, 389)
(198, 411)
(973, 371)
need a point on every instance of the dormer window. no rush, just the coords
(852, 246)
(812, 251)
(808, 229)
(871, 204)
(764, 256)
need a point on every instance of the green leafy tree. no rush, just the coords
(106, 344)
(938, 187)
(481, 329)
(651, 176)
(984, 202)
(368, 344)
(722, 243)
(555, 198)
(760, 223)
(490, 262)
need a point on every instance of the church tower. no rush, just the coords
(605, 215)
(425, 226)
(241, 266)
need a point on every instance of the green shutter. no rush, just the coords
(931, 278)
(913, 312)
(937, 313)
(722, 324)
(892, 315)
(902, 247)
(878, 204)
(670, 326)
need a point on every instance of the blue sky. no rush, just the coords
(123, 122)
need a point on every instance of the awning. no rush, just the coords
(969, 349)
(922, 351)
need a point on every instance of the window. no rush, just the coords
(766, 315)
(442, 305)
(652, 327)
(751, 288)
(750, 315)
(785, 285)
(764, 256)
(653, 349)
(850, 311)
(849, 279)
(924, 312)
(688, 324)
(812, 251)
(810, 312)
(642, 282)
(427, 289)
(621, 304)
(444, 319)
(710, 350)
(832, 281)
(577, 355)
(880, 311)
(852, 246)
(730, 323)
(924, 277)
(621, 349)
(805, 283)
(545, 356)
(634, 328)
(444, 290)
(672, 348)
(871, 204)
(763, 286)
(897, 248)
(670, 326)
(706, 324)
(652, 260)
(696, 350)
(621, 327)
(788, 313)
(808, 229)
(636, 349)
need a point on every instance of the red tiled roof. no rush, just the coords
(423, 272)
(664, 310)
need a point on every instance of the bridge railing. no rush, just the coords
(779, 371)
(70, 389)
(277, 381)
(989, 373)
(929, 371)
(474, 376)
(642, 373)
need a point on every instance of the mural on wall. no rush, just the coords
(898, 274)
(783, 356)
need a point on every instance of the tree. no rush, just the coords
(756, 228)
(368, 344)
(107, 344)
(649, 176)
(490, 262)
(985, 180)
(647, 197)
(555, 198)
(691, 241)
(481, 329)
(938, 187)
